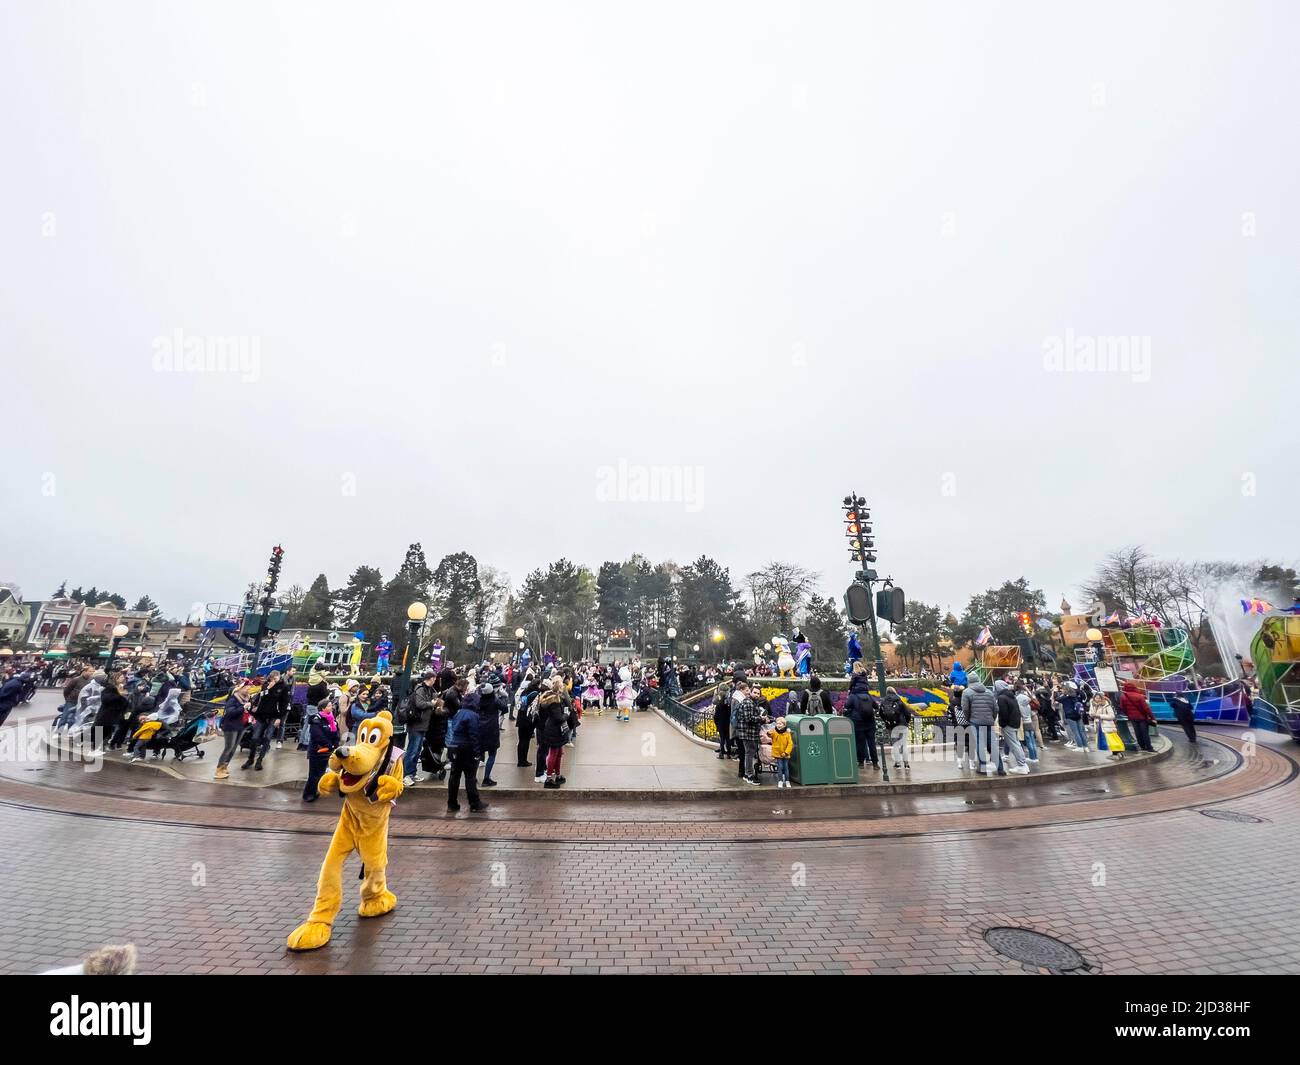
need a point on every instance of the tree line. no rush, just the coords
(569, 608)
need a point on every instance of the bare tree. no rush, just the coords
(778, 591)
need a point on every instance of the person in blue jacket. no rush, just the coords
(463, 749)
(958, 675)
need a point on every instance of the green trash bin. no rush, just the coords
(842, 749)
(810, 762)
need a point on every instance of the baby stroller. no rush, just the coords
(432, 762)
(181, 742)
(766, 763)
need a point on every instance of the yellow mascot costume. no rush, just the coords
(368, 774)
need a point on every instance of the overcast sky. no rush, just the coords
(480, 251)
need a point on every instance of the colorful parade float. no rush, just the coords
(1161, 660)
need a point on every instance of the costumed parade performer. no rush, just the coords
(625, 696)
(383, 649)
(435, 655)
(368, 774)
(784, 659)
(354, 660)
(854, 648)
(803, 655)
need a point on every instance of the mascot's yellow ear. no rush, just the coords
(384, 713)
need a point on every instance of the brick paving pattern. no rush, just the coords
(1134, 878)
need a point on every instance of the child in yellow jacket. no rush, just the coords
(782, 748)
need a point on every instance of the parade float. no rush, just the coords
(1275, 651)
(1161, 660)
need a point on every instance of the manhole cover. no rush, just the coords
(1036, 949)
(1234, 817)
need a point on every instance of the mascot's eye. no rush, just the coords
(374, 737)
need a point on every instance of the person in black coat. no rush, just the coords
(525, 721)
(815, 699)
(435, 740)
(722, 719)
(114, 709)
(1184, 715)
(322, 738)
(272, 706)
(860, 708)
(554, 718)
(489, 730)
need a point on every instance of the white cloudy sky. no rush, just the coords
(489, 248)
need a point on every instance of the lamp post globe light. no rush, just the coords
(119, 630)
(415, 615)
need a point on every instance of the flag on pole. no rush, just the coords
(1113, 619)
(1255, 606)
(984, 637)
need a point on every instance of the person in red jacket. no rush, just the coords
(1133, 705)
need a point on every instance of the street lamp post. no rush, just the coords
(119, 630)
(415, 615)
(665, 684)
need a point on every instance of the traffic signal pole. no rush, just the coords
(880, 676)
(857, 520)
(272, 582)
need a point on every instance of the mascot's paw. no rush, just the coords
(328, 784)
(388, 790)
(378, 906)
(309, 936)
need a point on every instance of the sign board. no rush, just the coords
(1106, 679)
(1074, 628)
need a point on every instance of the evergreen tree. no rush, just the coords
(706, 598)
(359, 603)
(317, 609)
(613, 597)
(145, 603)
(456, 588)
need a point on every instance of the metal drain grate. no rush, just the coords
(1234, 817)
(1036, 949)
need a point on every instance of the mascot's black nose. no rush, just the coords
(344, 752)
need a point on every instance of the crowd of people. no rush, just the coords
(998, 729)
(453, 719)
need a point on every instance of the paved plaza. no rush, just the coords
(1170, 866)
